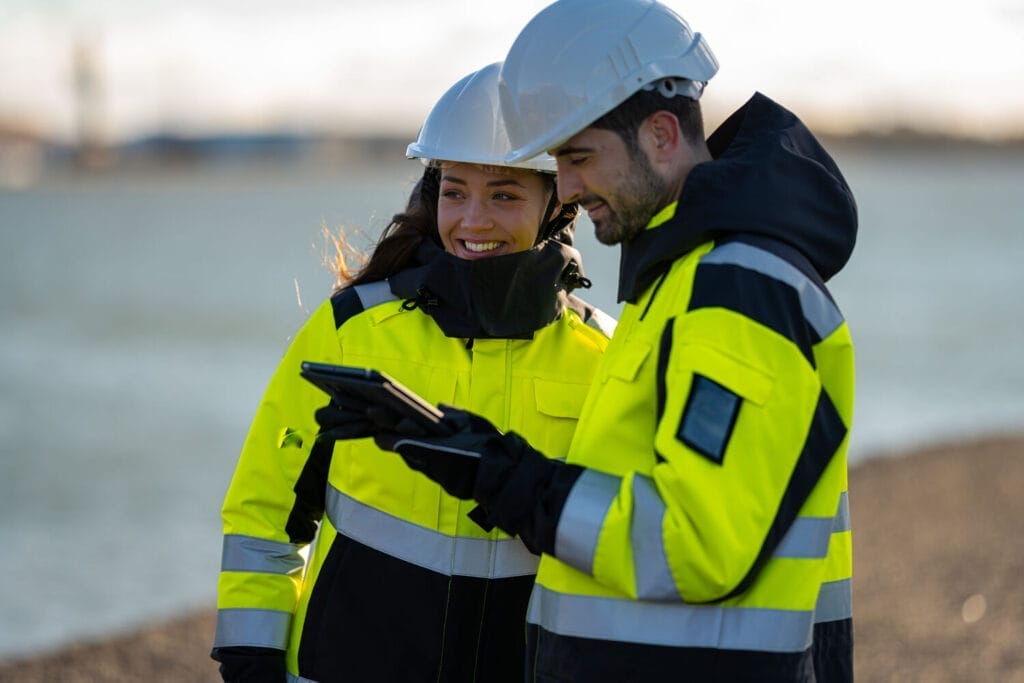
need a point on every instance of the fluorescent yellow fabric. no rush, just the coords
(717, 514)
(535, 387)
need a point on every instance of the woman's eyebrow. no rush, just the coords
(500, 182)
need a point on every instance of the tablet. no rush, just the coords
(375, 388)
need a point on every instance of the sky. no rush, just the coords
(376, 67)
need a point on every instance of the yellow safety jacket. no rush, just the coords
(399, 584)
(708, 536)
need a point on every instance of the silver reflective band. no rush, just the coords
(579, 525)
(374, 293)
(292, 678)
(842, 521)
(653, 576)
(252, 627)
(251, 554)
(671, 624)
(818, 309)
(835, 601)
(489, 558)
(807, 538)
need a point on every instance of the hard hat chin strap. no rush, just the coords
(548, 223)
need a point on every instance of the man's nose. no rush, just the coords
(570, 189)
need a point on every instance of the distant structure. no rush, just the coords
(93, 148)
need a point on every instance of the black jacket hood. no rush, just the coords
(769, 178)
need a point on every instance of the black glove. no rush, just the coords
(343, 419)
(450, 460)
(519, 490)
(250, 664)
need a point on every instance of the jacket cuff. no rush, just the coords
(523, 492)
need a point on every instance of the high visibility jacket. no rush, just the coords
(399, 584)
(708, 536)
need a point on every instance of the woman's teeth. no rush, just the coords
(482, 246)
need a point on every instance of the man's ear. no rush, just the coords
(660, 136)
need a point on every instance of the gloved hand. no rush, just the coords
(519, 490)
(451, 460)
(343, 419)
(242, 664)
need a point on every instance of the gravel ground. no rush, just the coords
(938, 594)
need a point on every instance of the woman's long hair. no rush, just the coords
(403, 236)
(398, 242)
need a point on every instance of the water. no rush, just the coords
(141, 316)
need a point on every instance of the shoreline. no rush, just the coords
(937, 593)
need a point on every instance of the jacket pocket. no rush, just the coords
(629, 360)
(557, 408)
(558, 399)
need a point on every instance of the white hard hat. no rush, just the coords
(579, 59)
(466, 126)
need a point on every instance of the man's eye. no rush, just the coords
(578, 161)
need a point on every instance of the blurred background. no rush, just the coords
(168, 171)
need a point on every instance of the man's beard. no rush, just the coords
(630, 209)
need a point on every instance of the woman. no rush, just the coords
(465, 300)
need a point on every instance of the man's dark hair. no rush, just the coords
(626, 118)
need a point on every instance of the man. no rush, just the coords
(699, 527)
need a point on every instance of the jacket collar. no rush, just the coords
(505, 297)
(652, 252)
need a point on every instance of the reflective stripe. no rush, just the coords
(672, 624)
(653, 576)
(251, 554)
(818, 308)
(807, 537)
(432, 446)
(835, 601)
(449, 555)
(602, 322)
(842, 520)
(582, 518)
(292, 678)
(253, 627)
(374, 293)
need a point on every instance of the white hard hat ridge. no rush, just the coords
(466, 126)
(578, 59)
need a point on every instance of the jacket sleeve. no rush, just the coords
(275, 499)
(744, 431)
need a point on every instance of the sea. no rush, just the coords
(142, 312)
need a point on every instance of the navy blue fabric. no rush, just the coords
(769, 176)
(708, 418)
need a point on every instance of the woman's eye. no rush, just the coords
(505, 196)
(451, 194)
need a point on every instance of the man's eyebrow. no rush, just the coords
(566, 151)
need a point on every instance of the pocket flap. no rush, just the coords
(629, 359)
(559, 399)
